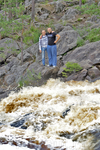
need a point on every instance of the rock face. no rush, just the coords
(8, 47)
(70, 14)
(87, 56)
(68, 40)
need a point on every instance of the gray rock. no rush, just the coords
(71, 3)
(26, 56)
(8, 46)
(9, 79)
(44, 16)
(78, 76)
(87, 56)
(67, 41)
(3, 70)
(91, 2)
(94, 72)
(70, 14)
(59, 6)
(99, 4)
(58, 28)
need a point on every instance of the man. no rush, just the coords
(51, 48)
(43, 42)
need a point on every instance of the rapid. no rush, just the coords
(56, 116)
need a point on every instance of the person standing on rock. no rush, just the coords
(51, 48)
(43, 42)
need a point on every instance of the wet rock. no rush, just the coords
(1, 123)
(23, 127)
(18, 123)
(67, 135)
(65, 112)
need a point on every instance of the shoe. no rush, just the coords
(54, 66)
(48, 65)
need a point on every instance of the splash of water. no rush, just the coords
(44, 107)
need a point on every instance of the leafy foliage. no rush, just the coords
(71, 67)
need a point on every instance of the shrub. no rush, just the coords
(70, 68)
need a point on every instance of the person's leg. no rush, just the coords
(49, 55)
(43, 56)
(54, 55)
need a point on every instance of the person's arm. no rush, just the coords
(40, 45)
(58, 37)
(41, 36)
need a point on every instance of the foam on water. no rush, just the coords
(5, 147)
(47, 103)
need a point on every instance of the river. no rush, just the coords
(55, 116)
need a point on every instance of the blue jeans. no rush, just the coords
(43, 55)
(52, 55)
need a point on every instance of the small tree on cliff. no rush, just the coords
(14, 25)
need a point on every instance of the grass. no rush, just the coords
(92, 35)
(80, 42)
(92, 9)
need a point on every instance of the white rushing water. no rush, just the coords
(45, 105)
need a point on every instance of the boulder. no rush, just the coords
(58, 28)
(72, 3)
(94, 72)
(67, 41)
(26, 56)
(99, 4)
(8, 47)
(59, 6)
(70, 14)
(87, 55)
(44, 16)
(79, 76)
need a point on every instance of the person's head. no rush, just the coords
(43, 32)
(49, 30)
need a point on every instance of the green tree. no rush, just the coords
(71, 68)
